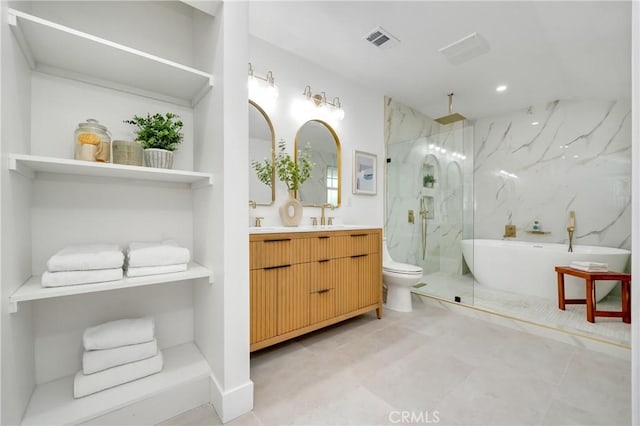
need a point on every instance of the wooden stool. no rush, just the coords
(590, 299)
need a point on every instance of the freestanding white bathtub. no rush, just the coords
(528, 268)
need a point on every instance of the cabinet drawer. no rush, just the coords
(327, 246)
(363, 243)
(322, 305)
(277, 252)
(323, 274)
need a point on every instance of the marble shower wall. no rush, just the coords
(408, 135)
(578, 157)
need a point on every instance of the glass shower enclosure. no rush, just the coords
(429, 209)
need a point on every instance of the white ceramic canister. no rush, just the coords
(127, 152)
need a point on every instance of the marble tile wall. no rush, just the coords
(578, 157)
(411, 140)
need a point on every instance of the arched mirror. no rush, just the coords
(324, 184)
(261, 146)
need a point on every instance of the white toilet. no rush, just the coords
(398, 278)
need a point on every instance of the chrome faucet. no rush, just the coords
(571, 228)
(323, 219)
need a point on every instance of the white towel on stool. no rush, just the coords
(156, 254)
(141, 271)
(86, 384)
(590, 266)
(94, 361)
(59, 279)
(86, 257)
(118, 333)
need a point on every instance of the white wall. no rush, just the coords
(222, 310)
(362, 128)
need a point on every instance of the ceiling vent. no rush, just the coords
(465, 49)
(381, 38)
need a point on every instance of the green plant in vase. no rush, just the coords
(292, 173)
(159, 135)
(428, 181)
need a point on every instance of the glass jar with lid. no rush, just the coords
(92, 142)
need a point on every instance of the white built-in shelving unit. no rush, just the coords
(54, 201)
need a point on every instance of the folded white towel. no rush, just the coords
(86, 257)
(156, 254)
(59, 279)
(94, 361)
(86, 384)
(118, 333)
(141, 271)
(590, 268)
(590, 264)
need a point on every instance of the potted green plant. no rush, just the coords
(159, 135)
(292, 174)
(428, 181)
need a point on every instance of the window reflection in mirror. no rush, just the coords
(324, 184)
(261, 146)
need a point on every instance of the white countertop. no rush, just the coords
(306, 228)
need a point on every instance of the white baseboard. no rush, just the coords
(231, 403)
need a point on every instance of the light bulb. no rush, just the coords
(271, 91)
(252, 85)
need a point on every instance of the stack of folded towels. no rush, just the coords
(156, 258)
(115, 353)
(590, 266)
(84, 264)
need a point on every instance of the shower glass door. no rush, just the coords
(429, 209)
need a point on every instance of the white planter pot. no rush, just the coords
(159, 158)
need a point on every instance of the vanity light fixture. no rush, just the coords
(501, 88)
(319, 102)
(262, 93)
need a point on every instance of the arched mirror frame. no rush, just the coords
(338, 156)
(273, 154)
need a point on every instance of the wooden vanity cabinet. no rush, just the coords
(303, 281)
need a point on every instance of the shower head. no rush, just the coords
(452, 117)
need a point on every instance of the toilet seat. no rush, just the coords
(402, 268)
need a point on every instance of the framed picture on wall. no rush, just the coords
(365, 174)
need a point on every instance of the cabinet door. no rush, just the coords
(293, 297)
(359, 282)
(322, 294)
(346, 285)
(369, 279)
(264, 304)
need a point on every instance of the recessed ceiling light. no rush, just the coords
(501, 88)
(535, 123)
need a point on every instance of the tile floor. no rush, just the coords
(542, 311)
(430, 362)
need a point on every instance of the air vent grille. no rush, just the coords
(381, 38)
